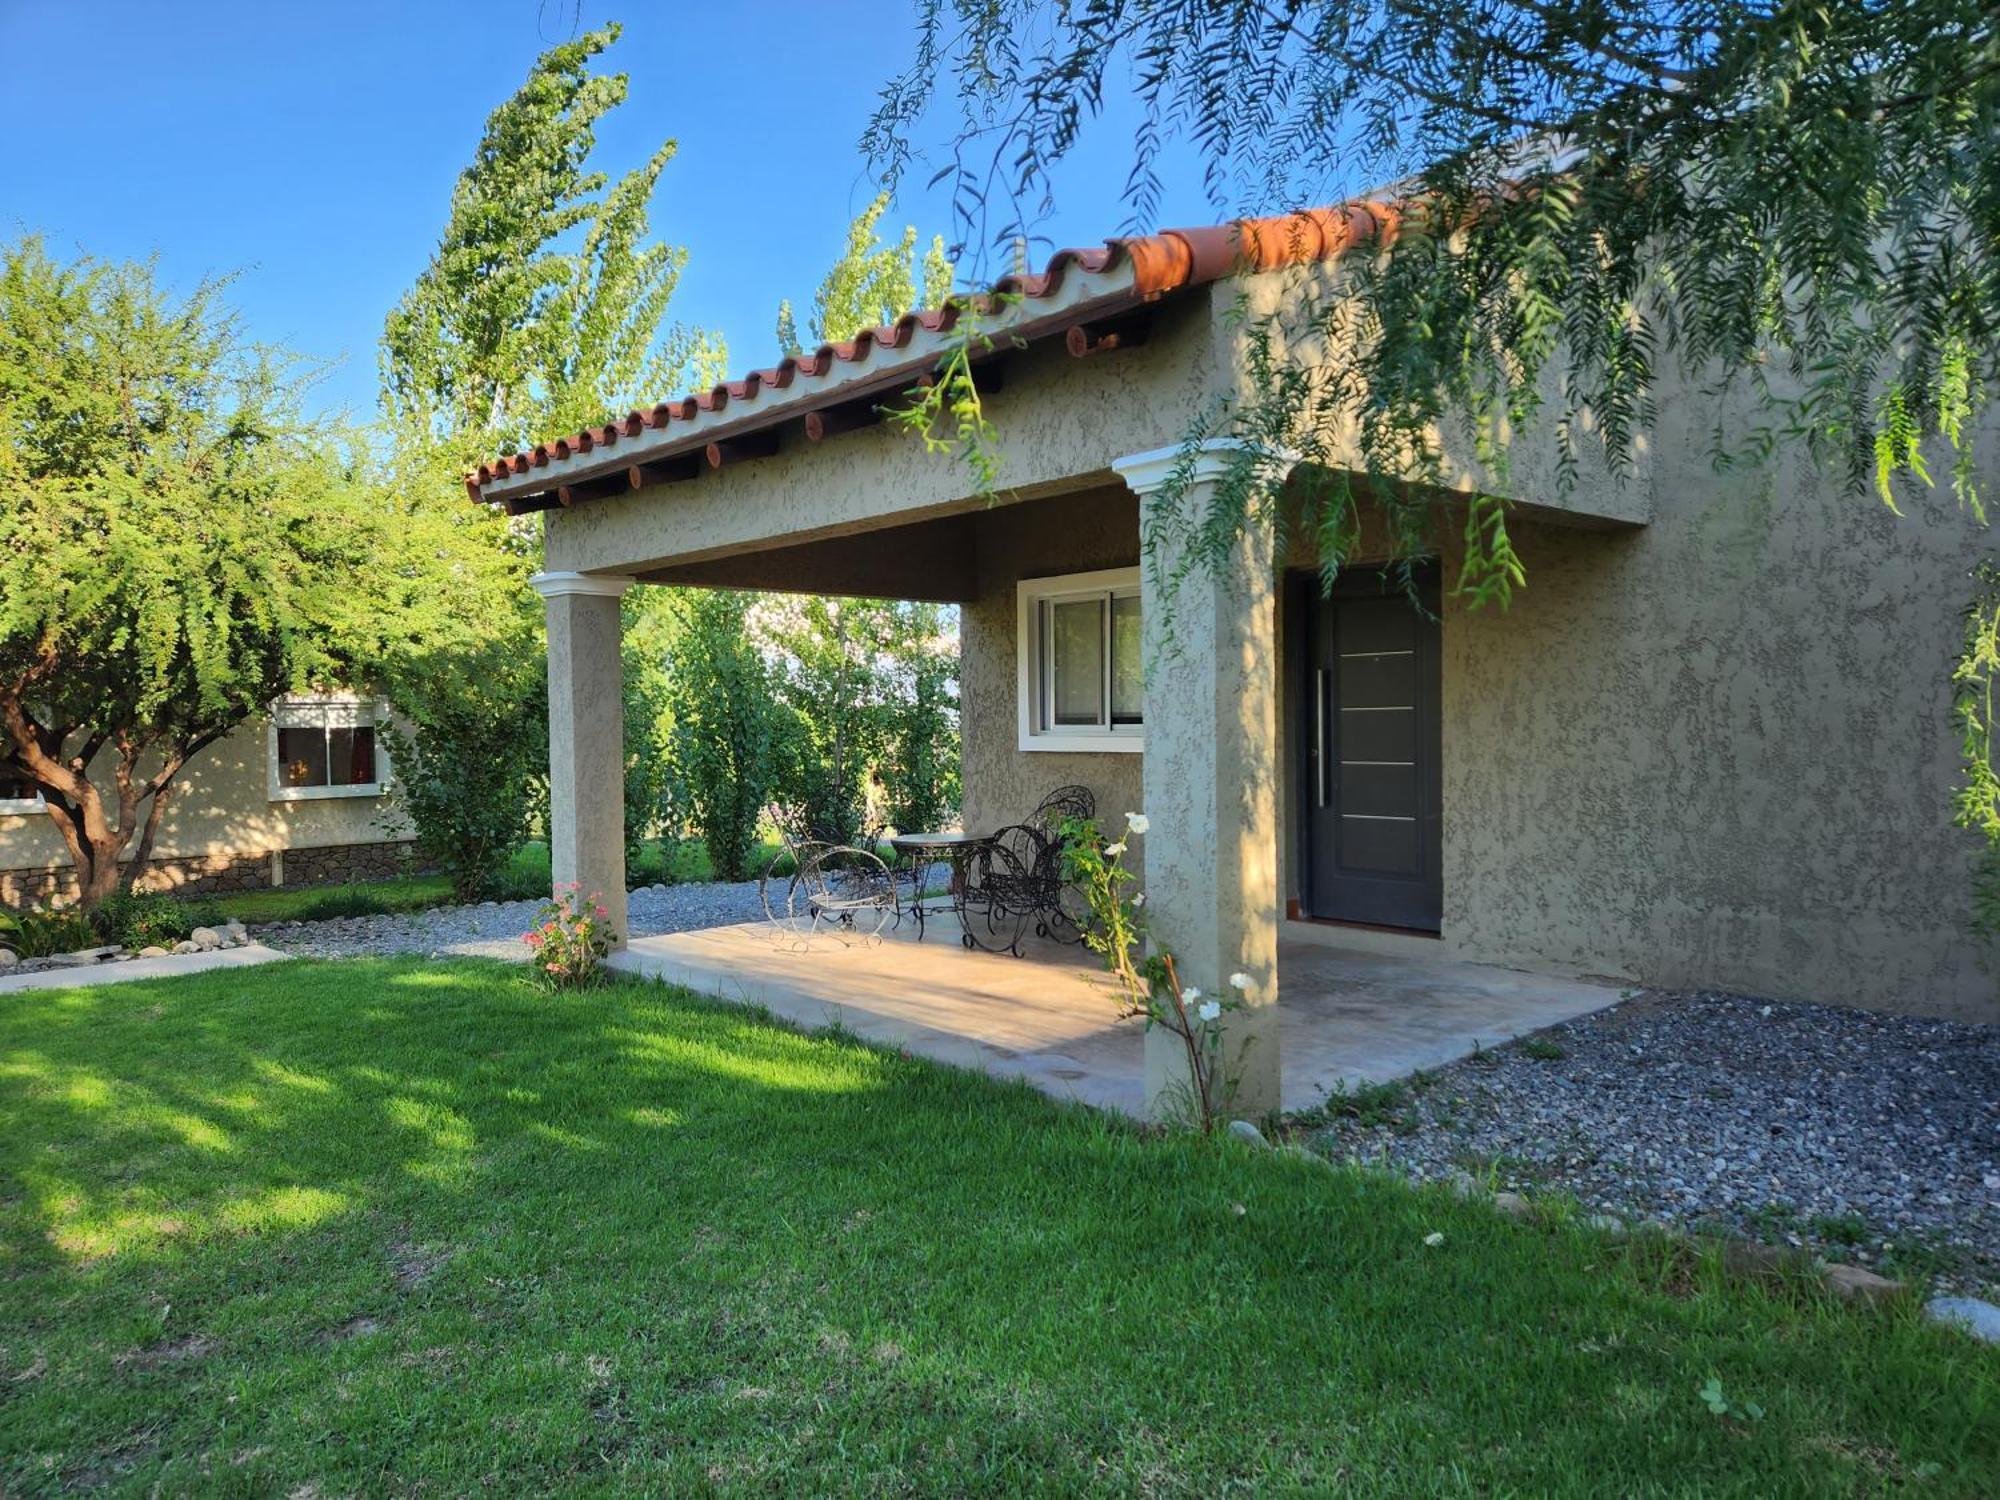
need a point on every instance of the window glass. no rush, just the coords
(1128, 687)
(350, 756)
(1076, 661)
(302, 756)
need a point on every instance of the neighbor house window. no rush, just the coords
(1082, 678)
(324, 747)
(18, 795)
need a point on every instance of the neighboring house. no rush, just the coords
(297, 798)
(1709, 744)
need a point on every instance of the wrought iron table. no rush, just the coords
(984, 920)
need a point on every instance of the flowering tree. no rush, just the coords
(1149, 982)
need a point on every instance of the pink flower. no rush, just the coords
(553, 968)
(604, 911)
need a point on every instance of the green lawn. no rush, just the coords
(527, 876)
(382, 1227)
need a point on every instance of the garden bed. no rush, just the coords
(1867, 1137)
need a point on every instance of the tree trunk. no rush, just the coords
(77, 806)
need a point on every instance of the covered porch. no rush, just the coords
(1350, 1016)
(1169, 698)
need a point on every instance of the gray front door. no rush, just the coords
(1372, 728)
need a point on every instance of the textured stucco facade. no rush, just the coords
(1708, 744)
(220, 831)
(1074, 534)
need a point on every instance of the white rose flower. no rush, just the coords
(1240, 981)
(1114, 850)
(1137, 823)
(1138, 898)
(1209, 1010)
(1191, 994)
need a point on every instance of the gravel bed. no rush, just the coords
(493, 929)
(1866, 1137)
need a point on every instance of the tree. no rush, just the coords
(1798, 201)
(724, 725)
(871, 284)
(178, 546)
(1803, 199)
(543, 309)
(654, 802)
(920, 752)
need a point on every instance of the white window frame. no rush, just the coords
(326, 711)
(23, 807)
(1030, 595)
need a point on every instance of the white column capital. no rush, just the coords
(1148, 473)
(598, 585)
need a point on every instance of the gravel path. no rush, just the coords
(493, 929)
(1867, 1137)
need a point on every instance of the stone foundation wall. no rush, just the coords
(336, 864)
(212, 874)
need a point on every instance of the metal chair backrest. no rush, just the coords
(1062, 804)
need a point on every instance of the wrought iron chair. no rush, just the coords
(845, 889)
(1024, 875)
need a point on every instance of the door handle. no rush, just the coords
(1321, 771)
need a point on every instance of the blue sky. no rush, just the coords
(312, 148)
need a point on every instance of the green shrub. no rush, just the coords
(42, 930)
(144, 919)
(725, 722)
(472, 776)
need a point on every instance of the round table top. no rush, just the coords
(936, 840)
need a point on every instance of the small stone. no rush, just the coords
(205, 938)
(152, 950)
(1249, 1134)
(184, 946)
(1513, 1206)
(8, 958)
(1609, 1224)
(236, 929)
(1968, 1315)
(1434, 1238)
(83, 956)
(1853, 1284)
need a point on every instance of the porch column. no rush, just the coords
(1211, 779)
(587, 737)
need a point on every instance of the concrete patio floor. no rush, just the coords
(1347, 1016)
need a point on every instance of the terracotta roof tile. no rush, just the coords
(1163, 263)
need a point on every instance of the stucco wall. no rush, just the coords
(1073, 534)
(221, 816)
(1058, 418)
(1714, 751)
(1717, 751)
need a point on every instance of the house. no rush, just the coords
(1709, 744)
(298, 797)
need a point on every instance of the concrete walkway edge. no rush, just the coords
(171, 967)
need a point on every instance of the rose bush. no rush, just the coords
(570, 940)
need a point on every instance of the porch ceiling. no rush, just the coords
(929, 560)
